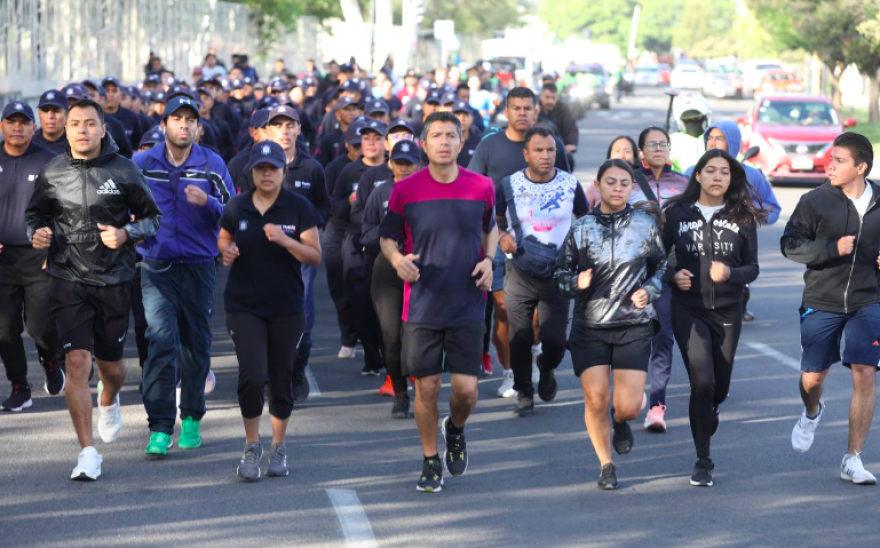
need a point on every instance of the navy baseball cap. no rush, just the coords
(267, 102)
(248, 81)
(346, 102)
(179, 102)
(350, 85)
(283, 111)
(237, 83)
(406, 150)
(111, 80)
(427, 83)
(178, 91)
(260, 118)
(159, 97)
(152, 137)
(153, 79)
(346, 67)
(132, 91)
(278, 85)
(309, 82)
(75, 92)
(353, 133)
(18, 107)
(434, 97)
(96, 87)
(461, 106)
(377, 105)
(147, 96)
(225, 84)
(260, 85)
(52, 98)
(401, 123)
(448, 99)
(267, 152)
(377, 126)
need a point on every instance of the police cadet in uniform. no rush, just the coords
(114, 109)
(469, 132)
(52, 110)
(331, 144)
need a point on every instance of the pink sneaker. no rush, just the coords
(654, 421)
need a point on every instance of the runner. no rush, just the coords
(178, 275)
(331, 144)
(386, 287)
(52, 110)
(712, 229)
(613, 320)
(471, 136)
(114, 109)
(267, 235)
(835, 232)
(117, 131)
(23, 282)
(537, 204)
(445, 214)
(90, 263)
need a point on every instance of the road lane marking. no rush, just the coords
(775, 354)
(314, 391)
(355, 525)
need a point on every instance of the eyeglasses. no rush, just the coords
(655, 146)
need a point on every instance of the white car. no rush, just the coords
(686, 76)
(648, 76)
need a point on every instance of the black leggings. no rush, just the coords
(266, 350)
(707, 340)
(387, 292)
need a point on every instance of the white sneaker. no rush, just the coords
(88, 465)
(506, 389)
(347, 353)
(805, 430)
(109, 418)
(210, 382)
(851, 469)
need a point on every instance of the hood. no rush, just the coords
(109, 148)
(731, 133)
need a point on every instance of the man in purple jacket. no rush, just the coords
(191, 186)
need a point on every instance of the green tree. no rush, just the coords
(481, 17)
(864, 51)
(272, 17)
(608, 21)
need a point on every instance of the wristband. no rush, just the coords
(490, 257)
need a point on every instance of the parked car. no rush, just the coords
(648, 75)
(721, 83)
(592, 87)
(780, 81)
(686, 76)
(794, 133)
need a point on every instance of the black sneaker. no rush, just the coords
(431, 480)
(703, 473)
(608, 477)
(455, 458)
(525, 406)
(370, 371)
(300, 388)
(401, 408)
(55, 379)
(547, 385)
(19, 399)
(715, 419)
(622, 438)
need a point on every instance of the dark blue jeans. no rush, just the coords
(305, 346)
(178, 302)
(660, 368)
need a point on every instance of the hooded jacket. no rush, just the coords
(72, 196)
(188, 233)
(835, 283)
(626, 254)
(759, 183)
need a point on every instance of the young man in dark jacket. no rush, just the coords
(835, 232)
(89, 207)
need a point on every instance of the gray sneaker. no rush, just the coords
(249, 467)
(277, 462)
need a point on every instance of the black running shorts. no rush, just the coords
(84, 313)
(626, 347)
(426, 346)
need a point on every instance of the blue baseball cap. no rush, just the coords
(461, 106)
(260, 118)
(346, 102)
(112, 81)
(152, 137)
(159, 97)
(267, 102)
(406, 150)
(52, 98)
(96, 87)
(400, 123)
(75, 92)
(377, 105)
(278, 85)
(283, 111)
(448, 99)
(237, 83)
(179, 102)
(153, 79)
(434, 97)
(267, 152)
(18, 107)
(353, 133)
(377, 126)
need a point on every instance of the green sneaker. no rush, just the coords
(160, 443)
(189, 434)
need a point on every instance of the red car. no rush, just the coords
(794, 133)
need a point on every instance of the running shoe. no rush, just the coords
(109, 418)
(622, 438)
(88, 465)
(608, 477)
(654, 421)
(851, 469)
(347, 353)
(190, 437)
(455, 458)
(805, 430)
(506, 389)
(301, 388)
(703, 473)
(525, 406)
(19, 399)
(277, 462)
(249, 467)
(210, 382)
(369, 371)
(160, 443)
(431, 480)
(547, 385)
(387, 388)
(487, 363)
(56, 380)
(400, 410)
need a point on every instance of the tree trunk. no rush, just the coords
(874, 98)
(834, 80)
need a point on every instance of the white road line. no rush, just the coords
(355, 525)
(775, 354)
(314, 391)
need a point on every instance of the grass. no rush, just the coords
(866, 128)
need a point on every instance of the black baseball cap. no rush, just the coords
(401, 123)
(18, 107)
(461, 106)
(267, 152)
(52, 98)
(179, 102)
(283, 111)
(406, 150)
(377, 126)
(152, 137)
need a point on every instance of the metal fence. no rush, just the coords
(48, 43)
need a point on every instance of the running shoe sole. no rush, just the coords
(85, 477)
(25, 405)
(421, 489)
(702, 484)
(850, 479)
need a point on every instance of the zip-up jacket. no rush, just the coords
(835, 283)
(697, 242)
(72, 196)
(18, 175)
(188, 233)
(626, 253)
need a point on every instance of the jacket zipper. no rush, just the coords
(852, 265)
(83, 185)
(712, 256)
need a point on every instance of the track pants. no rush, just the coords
(357, 287)
(331, 247)
(387, 292)
(660, 366)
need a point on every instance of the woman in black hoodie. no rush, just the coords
(712, 229)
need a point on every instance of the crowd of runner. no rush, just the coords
(442, 236)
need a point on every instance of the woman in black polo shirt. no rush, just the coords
(266, 235)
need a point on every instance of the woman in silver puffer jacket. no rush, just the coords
(612, 263)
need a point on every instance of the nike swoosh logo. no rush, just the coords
(122, 338)
(727, 324)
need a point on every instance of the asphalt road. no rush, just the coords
(531, 482)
